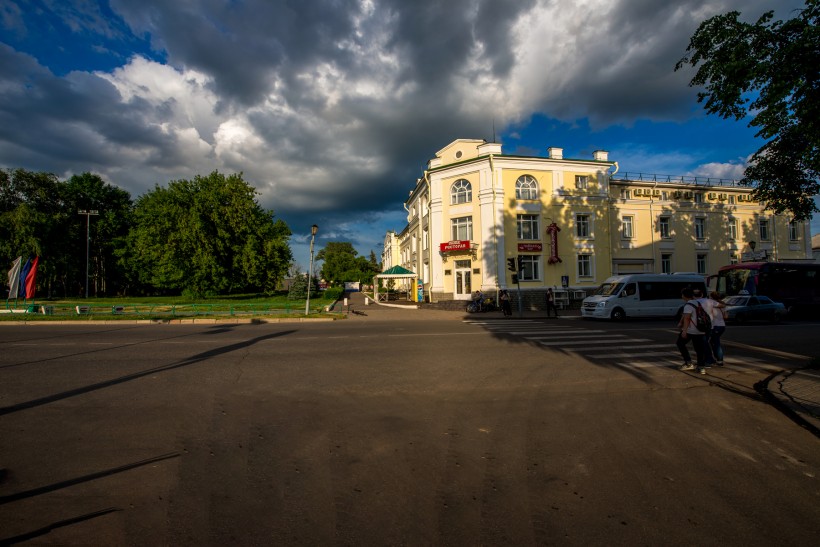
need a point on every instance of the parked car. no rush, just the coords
(743, 308)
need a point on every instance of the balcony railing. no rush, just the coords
(677, 179)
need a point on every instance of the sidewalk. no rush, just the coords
(795, 392)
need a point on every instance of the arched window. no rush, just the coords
(461, 192)
(526, 187)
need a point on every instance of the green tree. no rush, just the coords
(206, 236)
(33, 221)
(107, 232)
(768, 68)
(342, 263)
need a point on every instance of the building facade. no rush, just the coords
(571, 223)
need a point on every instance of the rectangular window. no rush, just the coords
(764, 230)
(462, 229)
(666, 263)
(582, 227)
(731, 199)
(698, 197)
(700, 228)
(627, 227)
(581, 182)
(794, 232)
(625, 194)
(665, 195)
(701, 260)
(530, 268)
(732, 225)
(528, 227)
(663, 227)
(584, 265)
(733, 258)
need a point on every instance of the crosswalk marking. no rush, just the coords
(618, 349)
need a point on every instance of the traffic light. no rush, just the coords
(520, 264)
(511, 264)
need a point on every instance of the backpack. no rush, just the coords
(704, 322)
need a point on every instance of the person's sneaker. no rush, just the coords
(686, 366)
(707, 365)
(720, 363)
(702, 370)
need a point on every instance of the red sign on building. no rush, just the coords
(529, 248)
(454, 246)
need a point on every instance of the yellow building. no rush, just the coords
(571, 223)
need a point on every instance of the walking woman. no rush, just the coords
(718, 327)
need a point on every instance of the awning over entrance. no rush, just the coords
(396, 272)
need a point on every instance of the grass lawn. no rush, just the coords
(278, 305)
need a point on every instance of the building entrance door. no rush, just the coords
(463, 288)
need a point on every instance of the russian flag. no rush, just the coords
(28, 277)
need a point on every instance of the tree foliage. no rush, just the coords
(207, 236)
(342, 263)
(39, 216)
(769, 69)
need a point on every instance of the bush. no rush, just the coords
(333, 293)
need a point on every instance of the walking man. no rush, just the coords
(689, 331)
(551, 303)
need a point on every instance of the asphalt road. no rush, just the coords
(369, 432)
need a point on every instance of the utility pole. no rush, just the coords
(88, 214)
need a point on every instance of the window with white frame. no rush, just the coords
(627, 226)
(461, 192)
(701, 263)
(700, 228)
(581, 182)
(698, 197)
(663, 227)
(665, 195)
(526, 187)
(733, 258)
(625, 193)
(794, 231)
(764, 229)
(584, 265)
(462, 229)
(424, 242)
(731, 199)
(732, 226)
(666, 263)
(583, 225)
(527, 227)
(530, 268)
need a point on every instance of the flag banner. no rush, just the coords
(14, 277)
(22, 280)
(31, 278)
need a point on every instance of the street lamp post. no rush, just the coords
(88, 214)
(313, 230)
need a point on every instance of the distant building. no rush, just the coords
(573, 222)
(815, 247)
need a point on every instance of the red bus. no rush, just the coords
(795, 284)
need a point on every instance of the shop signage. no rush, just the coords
(552, 231)
(530, 248)
(454, 246)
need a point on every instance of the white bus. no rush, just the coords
(640, 295)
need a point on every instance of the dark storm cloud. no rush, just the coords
(336, 105)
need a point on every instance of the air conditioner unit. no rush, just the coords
(677, 194)
(722, 197)
(656, 192)
(742, 197)
(638, 191)
(712, 195)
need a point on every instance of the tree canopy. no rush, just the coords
(769, 69)
(207, 236)
(342, 263)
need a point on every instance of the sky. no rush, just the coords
(332, 108)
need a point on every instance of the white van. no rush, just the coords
(640, 295)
